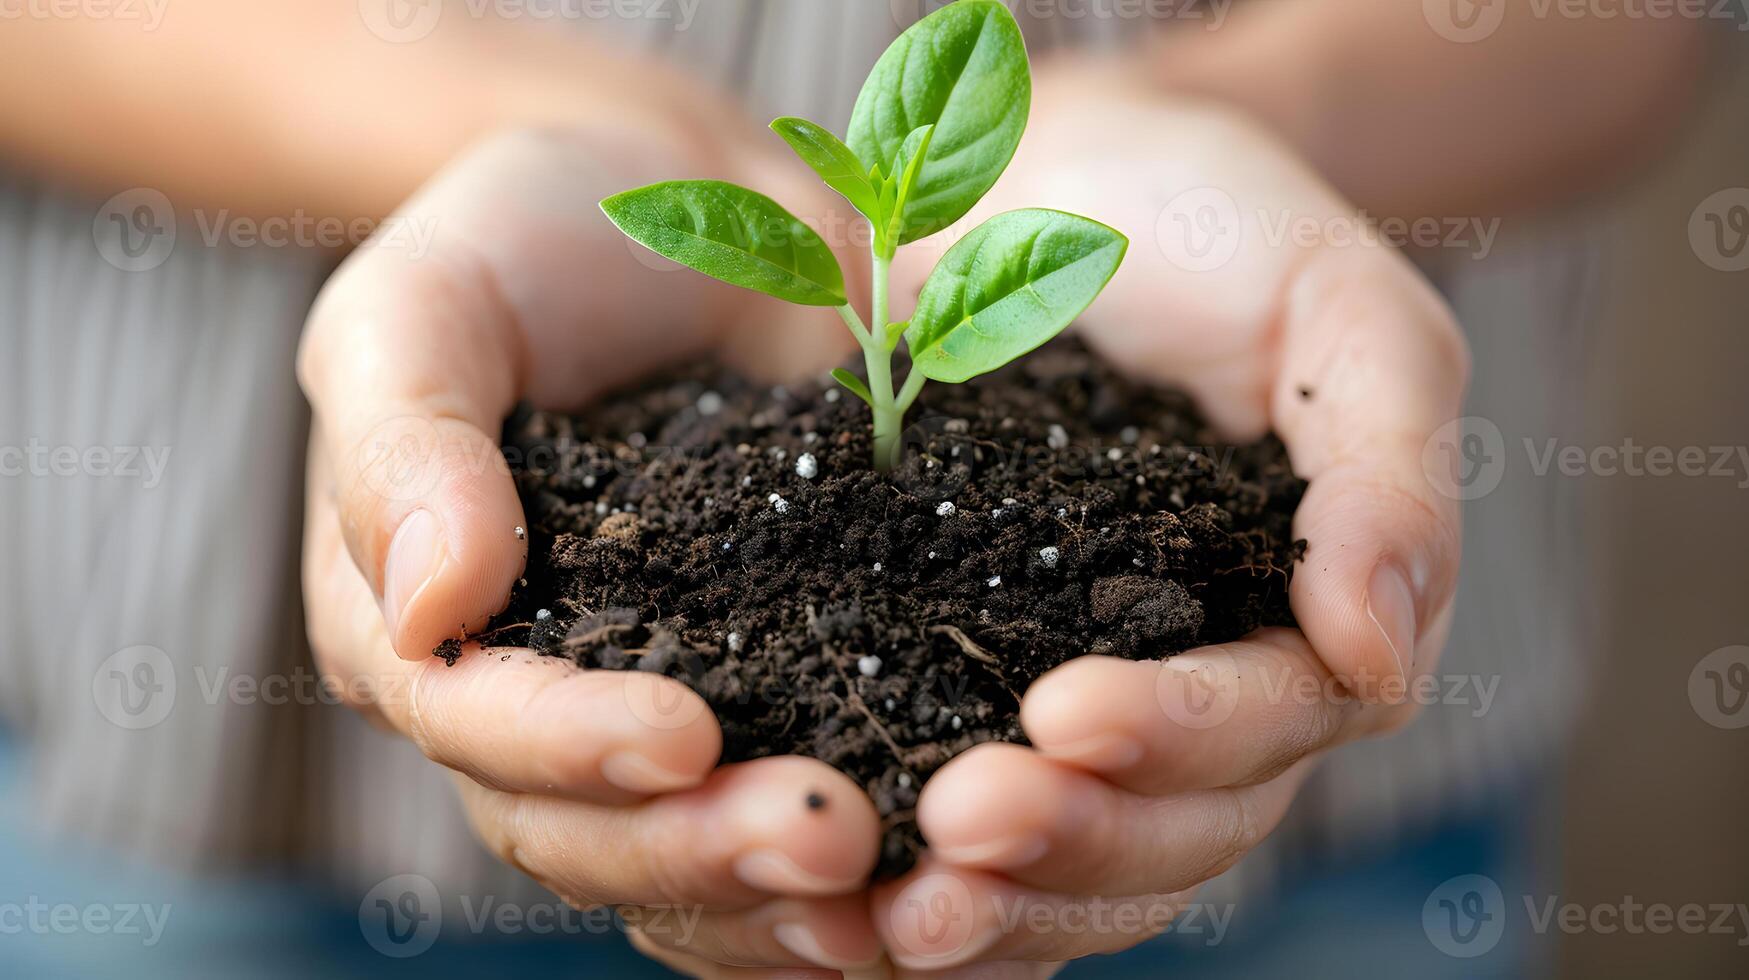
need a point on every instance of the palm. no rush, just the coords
(593, 309)
(1347, 355)
(1191, 187)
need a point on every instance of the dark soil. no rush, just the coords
(885, 624)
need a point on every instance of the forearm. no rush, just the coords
(1406, 121)
(282, 106)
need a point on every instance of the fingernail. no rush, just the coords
(415, 555)
(1390, 604)
(800, 940)
(1004, 853)
(635, 773)
(1106, 751)
(769, 869)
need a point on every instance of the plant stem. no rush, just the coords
(879, 359)
(882, 267)
(854, 322)
(913, 387)
(886, 410)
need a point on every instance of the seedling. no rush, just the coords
(937, 122)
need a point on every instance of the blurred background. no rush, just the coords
(178, 177)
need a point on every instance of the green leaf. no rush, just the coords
(1015, 282)
(731, 233)
(964, 70)
(907, 167)
(832, 160)
(856, 385)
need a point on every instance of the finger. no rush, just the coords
(1234, 714)
(1362, 366)
(506, 718)
(830, 933)
(421, 343)
(994, 970)
(515, 720)
(781, 826)
(409, 365)
(991, 970)
(1005, 808)
(939, 917)
(1341, 348)
(1383, 367)
(700, 968)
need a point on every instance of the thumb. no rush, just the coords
(1372, 365)
(410, 363)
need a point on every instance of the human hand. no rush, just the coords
(1146, 779)
(601, 785)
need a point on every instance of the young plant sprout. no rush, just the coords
(936, 124)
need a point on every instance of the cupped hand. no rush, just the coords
(1147, 779)
(502, 281)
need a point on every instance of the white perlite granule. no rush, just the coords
(807, 467)
(1049, 557)
(868, 666)
(945, 510)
